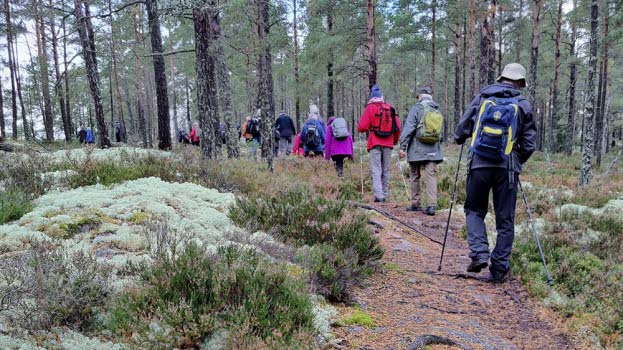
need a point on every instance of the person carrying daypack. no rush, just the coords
(381, 120)
(285, 126)
(194, 135)
(253, 128)
(182, 136)
(245, 130)
(338, 144)
(420, 142)
(501, 125)
(90, 137)
(82, 135)
(313, 134)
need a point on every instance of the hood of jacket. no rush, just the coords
(430, 103)
(331, 120)
(500, 90)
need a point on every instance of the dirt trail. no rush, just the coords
(411, 298)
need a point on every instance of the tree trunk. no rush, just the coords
(534, 53)
(587, 153)
(600, 130)
(2, 126)
(176, 125)
(519, 31)
(371, 26)
(330, 82)
(491, 40)
(48, 119)
(265, 81)
(140, 109)
(113, 55)
(87, 40)
(485, 62)
(188, 116)
(206, 27)
(296, 68)
(29, 131)
(463, 63)
(572, 82)
(445, 95)
(58, 84)
(162, 96)
(225, 96)
(9, 39)
(126, 94)
(554, 114)
(66, 76)
(433, 83)
(472, 48)
(457, 63)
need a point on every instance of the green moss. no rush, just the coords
(13, 205)
(357, 318)
(140, 217)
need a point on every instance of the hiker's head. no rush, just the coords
(314, 113)
(248, 118)
(195, 125)
(425, 93)
(515, 74)
(282, 112)
(375, 92)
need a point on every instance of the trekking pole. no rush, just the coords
(404, 181)
(456, 179)
(361, 161)
(536, 237)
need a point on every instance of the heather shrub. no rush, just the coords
(191, 297)
(13, 205)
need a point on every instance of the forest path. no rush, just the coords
(410, 298)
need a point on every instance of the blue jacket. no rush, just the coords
(526, 135)
(320, 129)
(90, 136)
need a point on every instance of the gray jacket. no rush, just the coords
(416, 150)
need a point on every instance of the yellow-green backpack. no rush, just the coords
(430, 127)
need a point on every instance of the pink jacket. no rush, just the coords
(334, 147)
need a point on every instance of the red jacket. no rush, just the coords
(364, 126)
(297, 148)
(193, 137)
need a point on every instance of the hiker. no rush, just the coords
(90, 137)
(119, 132)
(194, 135)
(338, 144)
(82, 136)
(245, 130)
(222, 132)
(381, 120)
(297, 147)
(285, 127)
(313, 134)
(253, 128)
(420, 142)
(182, 136)
(500, 123)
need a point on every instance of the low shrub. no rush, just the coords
(13, 205)
(332, 271)
(190, 297)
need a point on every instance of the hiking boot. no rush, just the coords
(379, 200)
(476, 266)
(498, 277)
(430, 211)
(414, 208)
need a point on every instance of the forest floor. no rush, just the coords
(410, 299)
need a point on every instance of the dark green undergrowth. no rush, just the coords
(193, 295)
(13, 205)
(347, 247)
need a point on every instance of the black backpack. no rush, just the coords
(254, 127)
(312, 139)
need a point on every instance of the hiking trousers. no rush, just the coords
(479, 183)
(284, 149)
(380, 167)
(338, 161)
(428, 171)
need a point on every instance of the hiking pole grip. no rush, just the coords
(536, 237)
(456, 179)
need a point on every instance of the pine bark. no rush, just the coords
(160, 76)
(587, 153)
(555, 111)
(87, 41)
(58, 85)
(534, 52)
(2, 121)
(457, 63)
(225, 97)
(485, 61)
(205, 22)
(140, 109)
(28, 128)
(176, 125)
(113, 55)
(9, 39)
(296, 67)
(371, 40)
(70, 122)
(265, 101)
(570, 132)
(519, 31)
(48, 119)
(433, 83)
(472, 48)
(600, 129)
(330, 81)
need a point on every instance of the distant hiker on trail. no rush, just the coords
(381, 120)
(245, 130)
(286, 128)
(194, 135)
(313, 134)
(82, 135)
(338, 144)
(90, 137)
(500, 123)
(253, 128)
(119, 132)
(420, 142)
(222, 132)
(297, 147)
(182, 136)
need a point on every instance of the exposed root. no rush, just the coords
(424, 340)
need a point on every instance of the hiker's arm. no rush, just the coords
(397, 134)
(527, 133)
(327, 146)
(409, 129)
(465, 126)
(364, 122)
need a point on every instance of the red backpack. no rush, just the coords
(384, 123)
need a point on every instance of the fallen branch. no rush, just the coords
(392, 217)
(423, 341)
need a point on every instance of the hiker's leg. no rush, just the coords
(414, 178)
(476, 205)
(387, 168)
(430, 179)
(339, 165)
(504, 200)
(376, 170)
(283, 147)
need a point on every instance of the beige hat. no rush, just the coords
(514, 71)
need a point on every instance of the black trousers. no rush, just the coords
(481, 182)
(339, 164)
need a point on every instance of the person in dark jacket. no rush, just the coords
(119, 132)
(499, 177)
(313, 134)
(90, 137)
(82, 135)
(422, 157)
(285, 127)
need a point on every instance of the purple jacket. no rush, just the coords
(333, 147)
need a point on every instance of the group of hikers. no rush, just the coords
(498, 120)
